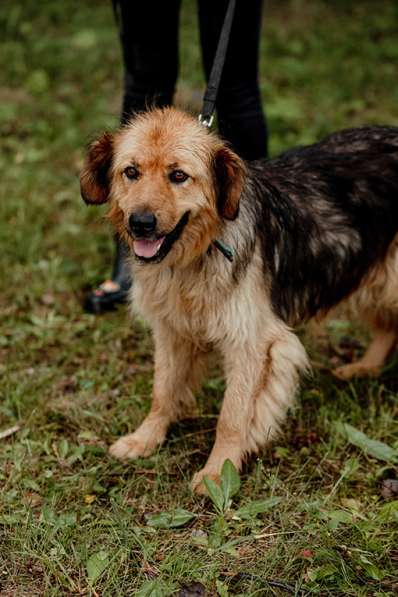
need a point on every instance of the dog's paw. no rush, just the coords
(351, 370)
(197, 483)
(129, 447)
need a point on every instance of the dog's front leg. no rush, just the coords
(261, 383)
(178, 368)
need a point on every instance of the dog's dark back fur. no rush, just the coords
(325, 215)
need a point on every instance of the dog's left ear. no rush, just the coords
(94, 178)
(229, 172)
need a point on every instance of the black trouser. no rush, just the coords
(149, 39)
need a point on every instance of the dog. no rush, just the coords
(308, 230)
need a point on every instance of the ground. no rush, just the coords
(73, 521)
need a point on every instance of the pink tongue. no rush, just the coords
(147, 248)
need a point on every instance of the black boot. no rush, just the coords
(114, 291)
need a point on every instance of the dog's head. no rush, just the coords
(170, 184)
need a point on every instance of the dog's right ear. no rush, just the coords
(94, 178)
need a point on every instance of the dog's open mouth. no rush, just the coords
(146, 249)
(154, 250)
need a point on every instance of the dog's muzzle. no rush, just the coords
(149, 246)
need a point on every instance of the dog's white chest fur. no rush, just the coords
(203, 304)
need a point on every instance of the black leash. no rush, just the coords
(206, 116)
(209, 99)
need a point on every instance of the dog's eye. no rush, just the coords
(131, 173)
(178, 176)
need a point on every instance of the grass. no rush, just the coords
(71, 520)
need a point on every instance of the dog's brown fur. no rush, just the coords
(196, 301)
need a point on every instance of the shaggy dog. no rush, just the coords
(308, 229)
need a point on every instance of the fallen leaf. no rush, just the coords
(148, 570)
(389, 488)
(9, 431)
(89, 499)
(32, 499)
(35, 569)
(351, 504)
(194, 589)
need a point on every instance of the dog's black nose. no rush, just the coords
(142, 223)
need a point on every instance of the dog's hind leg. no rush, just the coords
(179, 367)
(261, 384)
(373, 359)
(376, 302)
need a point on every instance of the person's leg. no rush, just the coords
(241, 119)
(149, 41)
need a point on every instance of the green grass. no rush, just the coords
(71, 520)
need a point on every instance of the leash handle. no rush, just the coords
(209, 99)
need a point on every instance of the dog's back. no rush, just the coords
(329, 213)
